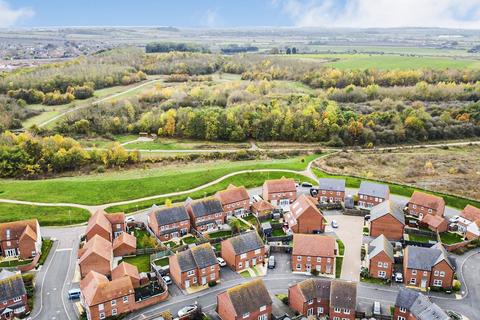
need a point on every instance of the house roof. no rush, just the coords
(380, 244)
(428, 200)
(374, 189)
(200, 256)
(249, 297)
(387, 207)
(96, 246)
(125, 269)
(233, 194)
(331, 184)
(433, 220)
(125, 239)
(262, 205)
(206, 207)
(302, 204)
(314, 289)
(28, 232)
(343, 294)
(470, 213)
(425, 258)
(280, 185)
(170, 215)
(17, 229)
(92, 276)
(116, 218)
(100, 290)
(246, 242)
(419, 305)
(11, 285)
(313, 245)
(99, 218)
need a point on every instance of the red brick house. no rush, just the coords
(235, 201)
(473, 230)
(169, 223)
(247, 301)
(127, 270)
(243, 251)
(124, 245)
(20, 239)
(370, 194)
(380, 258)
(331, 190)
(343, 300)
(304, 216)
(427, 267)
(108, 226)
(310, 297)
(280, 192)
(468, 215)
(387, 218)
(196, 266)
(206, 214)
(262, 208)
(103, 298)
(96, 255)
(413, 305)
(422, 203)
(434, 223)
(313, 252)
(13, 298)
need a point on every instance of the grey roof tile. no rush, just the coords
(206, 207)
(246, 242)
(388, 207)
(171, 215)
(374, 189)
(331, 184)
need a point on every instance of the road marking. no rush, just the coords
(64, 249)
(64, 283)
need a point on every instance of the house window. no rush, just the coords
(400, 318)
(102, 315)
(100, 307)
(17, 299)
(442, 274)
(114, 312)
(436, 273)
(382, 274)
(309, 259)
(310, 312)
(299, 258)
(263, 317)
(413, 281)
(385, 264)
(203, 270)
(361, 196)
(243, 256)
(212, 276)
(346, 311)
(212, 268)
(320, 310)
(380, 264)
(190, 273)
(258, 251)
(263, 308)
(125, 299)
(437, 283)
(19, 310)
(414, 206)
(414, 272)
(425, 273)
(429, 210)
(246, 315)
(310, 301)
(336, 318)
(114, 302)
(299, 266)
(402, 310)
(319, 259)
(337, 310)
(162, 228)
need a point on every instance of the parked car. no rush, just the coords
(413, 223)
(74, 294)
(398, 277)
(271, 262)
(313, 192)
(187, 310)
(130, 219)
(221, 262)
(257, 198)
(334, 224)
(307, 185)
(377, 308)
(454, 315)
(167, 280)
(454, 219)
(367, 217)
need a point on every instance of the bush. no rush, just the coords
(212, 283)
(285, 300)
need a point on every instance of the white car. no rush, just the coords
(454, 219)
(398, 277)
(187, 310)
(334, 224)
(130, 219)
(167, 280)
(221, 262)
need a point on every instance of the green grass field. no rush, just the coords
(47, 216)
(133, 184)
(403, 190)
(450, 238)
(385, 62)
(179, 144)
(142, 262)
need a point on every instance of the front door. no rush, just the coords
(308, 267)
(204, 280)
(247, 264)
(423, 284)
(328, 269)
(187, 283)
(254, 261)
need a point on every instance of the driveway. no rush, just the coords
(350, 231)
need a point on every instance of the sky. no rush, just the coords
(242, 13)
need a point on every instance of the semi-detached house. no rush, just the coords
(280, 192)
(20, 239)
(206, 214)
(331, 190)
(380, 258)
(235, 201)
(413, 305)
(169, 223)
(243, 251)
(370, 194)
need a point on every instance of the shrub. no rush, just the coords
(212, 283)
(285, 300)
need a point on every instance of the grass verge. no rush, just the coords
(450, 238)
(338, 266)
(47, 216)
(341, 247)
(46, 247)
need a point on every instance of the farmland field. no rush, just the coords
(47, 216)
(385, 62)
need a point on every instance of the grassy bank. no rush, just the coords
(47, 216)
(402, 190)
(137, 183)
(249, 180)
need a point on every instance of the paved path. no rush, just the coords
(113, 96)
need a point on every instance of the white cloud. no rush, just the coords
(383, 13)
(211, 18)
(10, 16)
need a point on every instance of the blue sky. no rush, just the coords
(242, 13)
